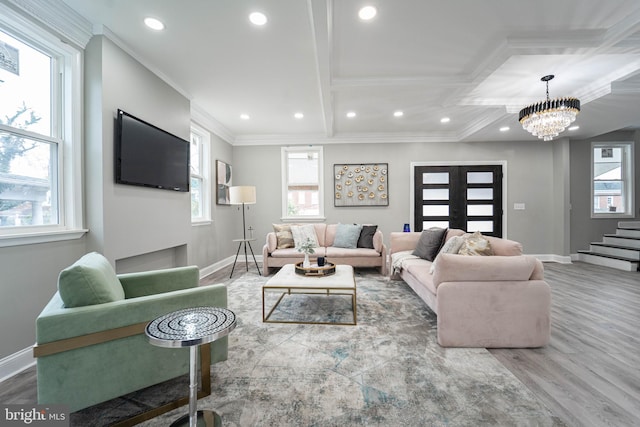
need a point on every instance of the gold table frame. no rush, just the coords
(274, 285)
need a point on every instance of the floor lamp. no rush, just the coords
(243, 195)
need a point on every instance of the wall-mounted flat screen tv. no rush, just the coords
(149, 156)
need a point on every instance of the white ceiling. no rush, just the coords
(477, 62)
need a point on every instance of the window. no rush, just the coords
(302, 183)
(40, 158)
(200, 177)
(612, 178)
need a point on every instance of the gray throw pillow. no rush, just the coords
(430, 242)
(347, 236)
(366, 236)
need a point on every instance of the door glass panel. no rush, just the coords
(479, 210)
(435, 210)
(435, 194)
(480, 177)
(440, 224)
(482, 226)
(479, 193)
(435, 178)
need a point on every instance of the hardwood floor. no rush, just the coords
(589, 373)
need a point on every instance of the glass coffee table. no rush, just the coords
(192, 327)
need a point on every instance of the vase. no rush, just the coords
(306, 263)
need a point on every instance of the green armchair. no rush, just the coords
(91, 345)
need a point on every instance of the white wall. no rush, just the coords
(131, 220)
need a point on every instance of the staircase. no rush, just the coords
(620, 250)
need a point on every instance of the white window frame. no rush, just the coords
(628, 179)
(285, 184)
(205, 174)
(67, 118)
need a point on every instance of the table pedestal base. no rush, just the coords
(205, 419)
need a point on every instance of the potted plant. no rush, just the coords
(308, 248)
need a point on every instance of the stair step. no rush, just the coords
(615, 250)
(629, 225)
(628, 232)
(609, 261)
(622, 241)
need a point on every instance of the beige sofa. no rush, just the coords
(499, 301)
(326, 233)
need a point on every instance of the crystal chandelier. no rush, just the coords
(546, 119)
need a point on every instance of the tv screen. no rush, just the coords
(149, 156)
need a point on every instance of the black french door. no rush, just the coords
(465, 197)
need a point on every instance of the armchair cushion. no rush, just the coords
(89, 281)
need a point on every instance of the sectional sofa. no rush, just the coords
(480, 301)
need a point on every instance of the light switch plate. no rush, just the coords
(518, 206)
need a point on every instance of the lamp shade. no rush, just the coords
(242, 194)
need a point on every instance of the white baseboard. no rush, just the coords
(206, 271)
(16, 363)
(561, 259)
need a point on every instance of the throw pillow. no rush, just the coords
(302, 233)
(347, 236)
(284, 237)
(89, 281)
(366, 236)
(430, 242)
(475, 245)
(451, 246)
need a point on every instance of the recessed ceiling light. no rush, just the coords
(504, 128)
(445, 120)
(398, 113)
(351, 114)
(574, 127)
(367, 13)
(244, 116)
(258, 18)
(298, 115)
(154, 24)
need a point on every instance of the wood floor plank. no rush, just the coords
(588, 374)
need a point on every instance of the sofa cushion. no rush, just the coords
(284, 236)
(420, 270)
(302, 233)
(458, 268)
(366, 236)
(348, 252)
(430, 242)
(475, 245)
(89, 281)
(294, 253)
(347, 236)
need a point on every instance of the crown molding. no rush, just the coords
(58, 16)
(106, 32)
(361, 138)
(200, 116)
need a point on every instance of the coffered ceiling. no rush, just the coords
(475, 62)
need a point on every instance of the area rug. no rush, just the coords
(388, 370)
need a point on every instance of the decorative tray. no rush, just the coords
(326, 270)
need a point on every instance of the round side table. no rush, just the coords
(191, 327)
